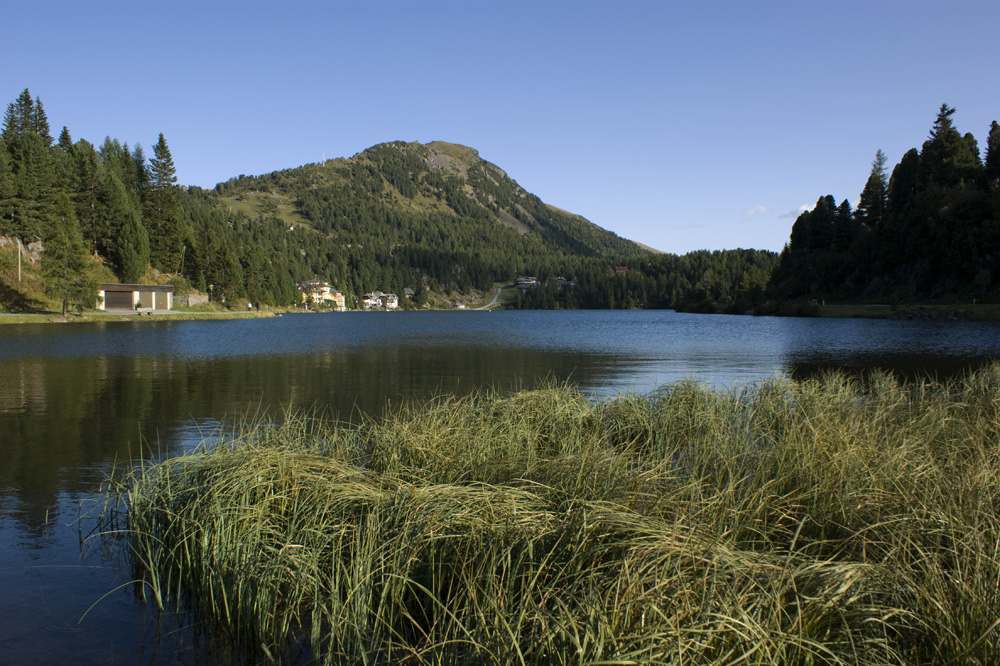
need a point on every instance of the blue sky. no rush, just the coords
(681, 125)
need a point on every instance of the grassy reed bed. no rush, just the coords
(830, 521)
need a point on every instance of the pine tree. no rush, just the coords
(821, 223)
(137, 170)
(874, 198)
(903, 182)
(122, 236)
(993, 156)
(163, 174)
(65, 141)
(947, 159)
(65, 262)
(227, 276)
(86, 178)
(35, 176)
(8, 189)
(162, 211)
(133, 250)
(40, 123)
(845, 227)
(19, 118)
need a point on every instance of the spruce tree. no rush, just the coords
(873, 200)
(87, 174)
(19, 118)
(65, 263)
(903, 183)
(821, 223)
(123, 238)
(162, 211)
(845, 227)
(947, 159)
(133, 250)
(227, 276)
(993, 156)
(35, 176)
(8, 189)
(65, 141)
(163, 174)
(40, 123)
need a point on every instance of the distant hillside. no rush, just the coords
(438, 219)
(434, 196)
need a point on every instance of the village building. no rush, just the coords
(377, 300)
(141, 297)
(322, 292)
(524, 283)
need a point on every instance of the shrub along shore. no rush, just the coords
(835, 520)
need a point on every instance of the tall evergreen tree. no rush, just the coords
(65, 263)
(163, 174)
(845, 227)
(36, 188)
(226, 276)
(903, 182)
(87, 175)
(798, 240)
(992, 161)
(821, 223)
(947, 159)
(40, 123)
(133, 250)
(65, 141)
(8, 189)
(123, 238)
(874, 198)
(162, 211)
(19, 118)
(137, 170)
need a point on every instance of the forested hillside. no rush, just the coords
(434, 218)
(930, 231)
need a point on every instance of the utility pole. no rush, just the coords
(18, 259)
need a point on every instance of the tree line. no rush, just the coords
(929, 231)
(107, 202)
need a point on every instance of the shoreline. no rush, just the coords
(938, 312)
(90, 317)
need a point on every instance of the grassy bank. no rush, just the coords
(172, 315)
(832, 521)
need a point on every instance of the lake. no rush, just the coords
(78, 400)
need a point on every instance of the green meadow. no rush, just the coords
(835, 520)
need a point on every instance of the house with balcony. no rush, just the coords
(376, 300)
(322, 293)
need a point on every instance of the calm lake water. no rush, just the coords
(77, 400)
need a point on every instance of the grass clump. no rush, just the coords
(836, 520)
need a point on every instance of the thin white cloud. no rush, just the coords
(798, 211)
(755, 211)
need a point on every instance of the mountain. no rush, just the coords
(396, 215)
(436, 195)
(437, 218)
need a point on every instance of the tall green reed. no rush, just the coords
(835, 520)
